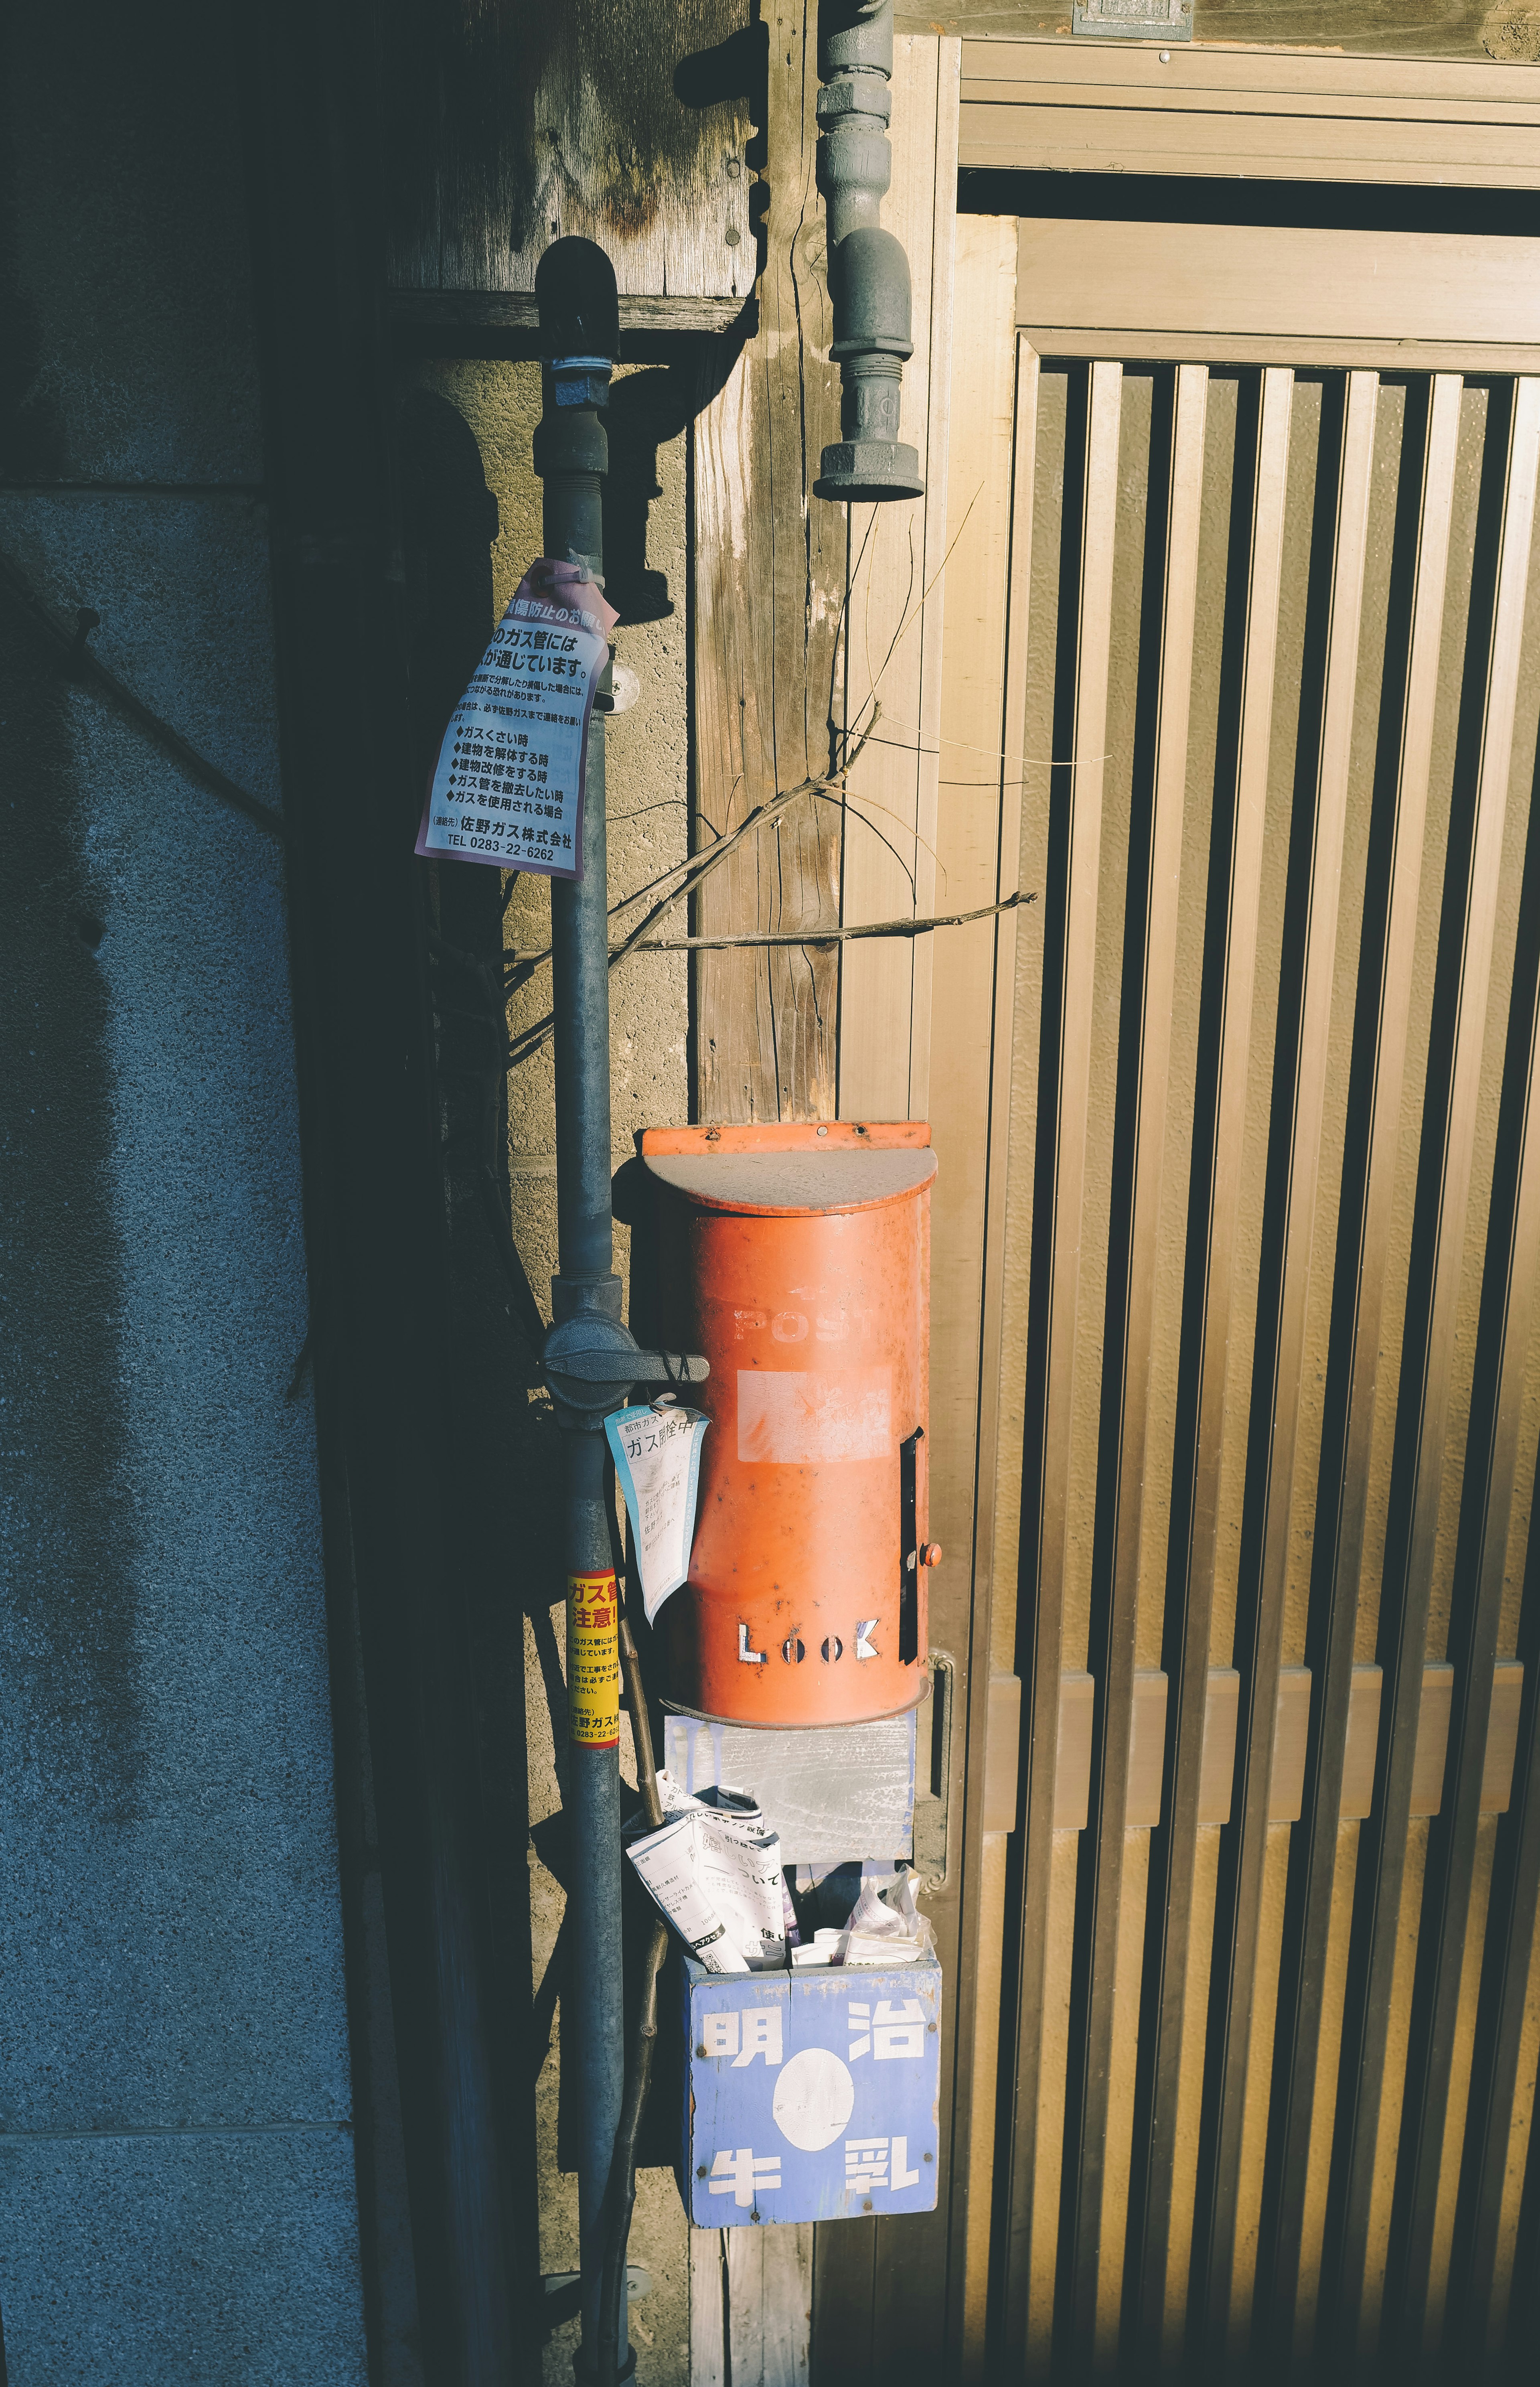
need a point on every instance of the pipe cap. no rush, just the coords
(574, 291)
(869, 472)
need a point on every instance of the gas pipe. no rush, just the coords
(796, 1258)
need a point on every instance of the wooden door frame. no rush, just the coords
(1228, 109)
(1395, 302)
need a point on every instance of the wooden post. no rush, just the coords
(770, 565)
(769, 591)
(777, 1035)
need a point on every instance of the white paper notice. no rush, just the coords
(743, 1878)
(507, 785)
(657, 1455)
(717, 1877)
(667, 1863)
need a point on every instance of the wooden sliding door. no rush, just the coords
(1271, 2007)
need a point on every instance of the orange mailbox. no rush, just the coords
(798, 1259)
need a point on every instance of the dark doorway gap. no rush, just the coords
(1201, 199)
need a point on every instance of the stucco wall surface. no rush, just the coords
(177, 2198)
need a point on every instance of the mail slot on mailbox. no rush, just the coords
(798, 1261)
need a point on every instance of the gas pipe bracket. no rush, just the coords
(590, 1362)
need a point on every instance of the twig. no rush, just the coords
(529, 1043)
(80, 663)
(699, 865)
(823, 935)
(530, 1039)
(925, 595)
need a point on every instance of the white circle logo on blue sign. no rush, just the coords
(814, 2095)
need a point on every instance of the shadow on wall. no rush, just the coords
(449, 520)
(646, 411)
(496, 1443)
(68, 1535)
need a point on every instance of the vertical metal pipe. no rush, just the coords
(592, 1998)
(580, 969)
(576, 289)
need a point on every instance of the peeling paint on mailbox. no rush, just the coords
(810, 2096)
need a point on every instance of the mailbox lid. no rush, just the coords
(781, 1169)
(817, 2097)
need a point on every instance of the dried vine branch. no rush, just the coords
(821, 936)
(523, 1047)
(699, 865)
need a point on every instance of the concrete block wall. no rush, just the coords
(177, 2191)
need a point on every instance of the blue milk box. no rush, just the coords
(811, 2096)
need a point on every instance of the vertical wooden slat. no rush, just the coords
(1002, 1372)
(1071, 942)
(1429, 1355)
(769, 2305)
(708, 2308)
(892, 654)
(1387, 954)
(1096, 2261)
(1215, 1203)
(894, 619)
(978, 845)
(844, 2297)
(1497, 2141)
(944, 118)
(1278, 1375)
(1029, 743)
(1437, 2085)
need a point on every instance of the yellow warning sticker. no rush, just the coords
(593, 1661)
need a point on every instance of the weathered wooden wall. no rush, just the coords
(802, 647)
(893, 649)
(801, 651)
(770, 566)
(811, 627)
(509, 125)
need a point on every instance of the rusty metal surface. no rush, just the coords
(800, 1607)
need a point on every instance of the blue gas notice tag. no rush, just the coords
(657, 1455)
